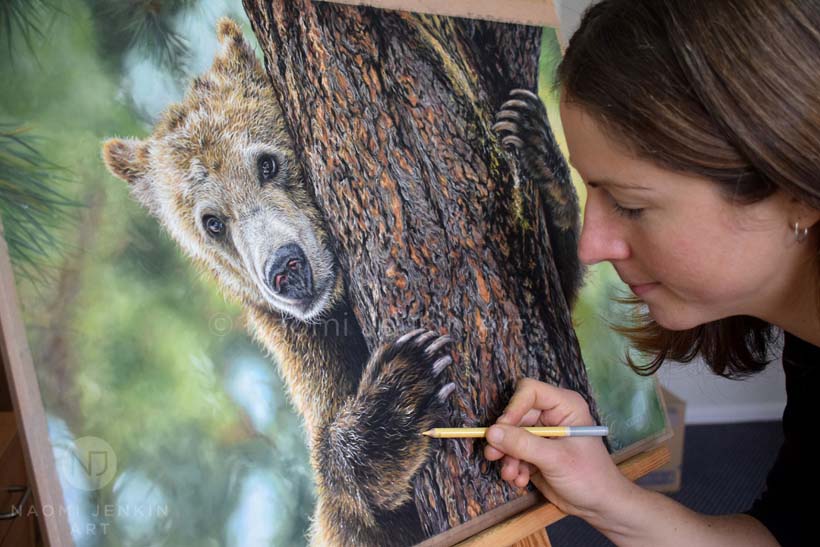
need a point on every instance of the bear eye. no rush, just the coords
(267, 168)
(213, 225)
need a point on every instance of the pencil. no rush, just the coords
(480, 432)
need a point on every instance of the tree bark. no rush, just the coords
(391, 116)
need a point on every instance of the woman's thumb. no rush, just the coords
(516, 442)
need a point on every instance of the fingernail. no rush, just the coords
(495, 435)
(501, 419)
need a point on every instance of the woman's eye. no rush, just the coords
(213, 225)
(625, 212)
(267, 168)
(619, 209)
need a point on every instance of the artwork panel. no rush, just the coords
(186, 429)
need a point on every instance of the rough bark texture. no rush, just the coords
(391, 114)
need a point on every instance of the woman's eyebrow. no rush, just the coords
(605, 181)
(616, 184)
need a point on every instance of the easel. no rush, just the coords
(31, 433)
(528, 529)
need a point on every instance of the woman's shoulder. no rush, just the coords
(797, 352)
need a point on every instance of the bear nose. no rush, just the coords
(289, 274)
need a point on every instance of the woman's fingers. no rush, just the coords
(492, 454)
(553, 405)
(531, 394)
(533, 417)
(517, 443)
(516, 472)
(533, 403)
(523, 478)
(510, 469)
(530, 418)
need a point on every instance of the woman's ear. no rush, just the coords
(804, 215)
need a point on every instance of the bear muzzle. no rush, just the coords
(289, 274)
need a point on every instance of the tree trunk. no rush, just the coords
(391, 116)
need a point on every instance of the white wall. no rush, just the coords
(712, 399)
(569, 13)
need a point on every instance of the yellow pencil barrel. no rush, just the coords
(551, 431)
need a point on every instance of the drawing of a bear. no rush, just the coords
(220, 175)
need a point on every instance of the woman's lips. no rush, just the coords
(643, 288)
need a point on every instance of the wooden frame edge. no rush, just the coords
(30, 412)
(539, 13)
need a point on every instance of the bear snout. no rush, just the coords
(289, 274)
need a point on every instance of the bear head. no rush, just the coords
(220, 174)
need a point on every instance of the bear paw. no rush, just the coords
(376, 440)
(523, 125)
(404, 381)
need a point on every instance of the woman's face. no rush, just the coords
(685, 250)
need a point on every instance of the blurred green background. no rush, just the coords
(130, 344)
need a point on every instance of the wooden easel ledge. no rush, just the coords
(527, 529)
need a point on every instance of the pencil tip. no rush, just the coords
(427, 433)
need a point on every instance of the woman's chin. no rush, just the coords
(673, 319)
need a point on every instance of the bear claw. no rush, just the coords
(516, 103)
(445, 391)
(505, 126)
(507, 115)
(441, 364)
(412, 334)
(429, 335)
(526, 93)
(512, 140)
(437, 345)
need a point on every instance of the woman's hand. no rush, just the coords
(577, 474)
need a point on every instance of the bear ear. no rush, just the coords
(236, 54)
(126, 158)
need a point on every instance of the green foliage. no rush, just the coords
(24, 17)
(31, 203)
(144, 26)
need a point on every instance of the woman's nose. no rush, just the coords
(602, 236)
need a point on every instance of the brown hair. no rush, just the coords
(726, 90)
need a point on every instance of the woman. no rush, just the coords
(696, 128)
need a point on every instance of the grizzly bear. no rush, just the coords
(220, 174)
